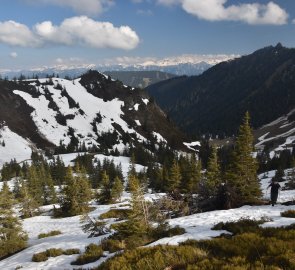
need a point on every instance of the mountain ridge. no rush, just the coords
(91, 112)
(215, 101)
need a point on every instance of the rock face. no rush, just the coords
(91, 111)
(214, 103)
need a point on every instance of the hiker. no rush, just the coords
(274, 191)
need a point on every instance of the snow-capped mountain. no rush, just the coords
(179, 65)
(92, 111)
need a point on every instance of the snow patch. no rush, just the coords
(159, 137)
(145, 101)
(192, 145)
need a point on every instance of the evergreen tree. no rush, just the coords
(76, 194)
(174, 178)
(279, 175)
(194, 177)
(29, 206)
(243, 173)
(48, 191)
(12, 237)
(117, 189)
(34, 184)
(105, 193)
(138, 220)
(212, 174)
(58, 171)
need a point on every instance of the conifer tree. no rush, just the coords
(48, 191)
(138, 221)
(243, 173)
(34, 184)
(174, 178)
(117, 189)
(194, 176)
(29, 206)
(105, 194)
(212, 174)
(12, 237)
(76, 194)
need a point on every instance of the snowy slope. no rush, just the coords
(14, 146)
(197, 226)
(47, 124)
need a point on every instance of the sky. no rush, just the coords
(39, 33)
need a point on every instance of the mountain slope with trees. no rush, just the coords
(262, 83)
(139, 79)
(93, 112)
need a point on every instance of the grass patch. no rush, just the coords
(288, 213)
(92, 253)
(52, 233)
(53, 252)
(119, 214)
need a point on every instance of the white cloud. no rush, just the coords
(16, 34)
(88, 7)
(215, 10)
(72, 31)
(13, 54)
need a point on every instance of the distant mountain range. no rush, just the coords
(182, 65)
(214, 103)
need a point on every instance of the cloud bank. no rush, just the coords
(215, 10)
(81, 31)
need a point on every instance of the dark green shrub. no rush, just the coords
(71, 251)
(52, 233)
(112, 245)
(119, 214)
(288, 213)
(92, 253)
(40, 257)
(240, 226)
(159, 257)
(54, 252)
(165, 231)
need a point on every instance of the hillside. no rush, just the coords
(139, 79)
(214, 102)
(91, 112)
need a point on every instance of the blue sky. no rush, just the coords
(35, 33)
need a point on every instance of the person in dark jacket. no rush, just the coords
(274, 191)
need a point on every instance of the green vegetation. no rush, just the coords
(113, 245)
(53, 252)
(118, 214)
(159, 257)
(92, 253)
(250, 247)
(242, 174)
(12, 236)
(241, 226)
(288, 213)
(76, 194)
(52, 233)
